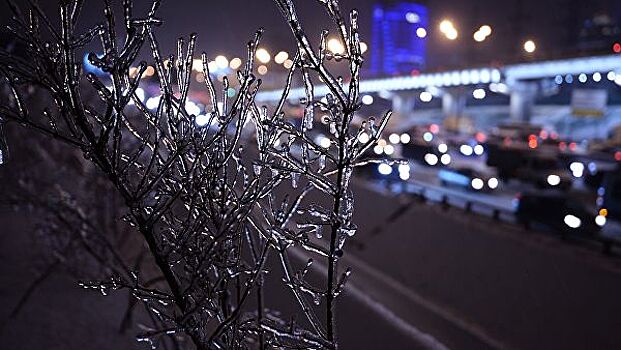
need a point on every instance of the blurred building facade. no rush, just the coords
(398, 38)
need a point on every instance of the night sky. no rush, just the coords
(225, 26)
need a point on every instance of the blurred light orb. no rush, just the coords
(394, 138)
(405, 138)
(150, 71)
(221, 61)
(427, 136)
(446, 26)
(425, 96)
(479, 36)
(403, 168)
(477, 183)
(486, 30)
(281, 57)
(576, 168)
(197, 65)
(335, 46)
(363, 47)
(448, 29)
(478, 150)
(600, 220)
(212, 66)
(530, 46)
(412, 17)
(479, 94)
(201, 119)
(582, 78)
(553, 180)
(431, 159)
(421, 32)
(263, 55)
(363, 137)
(445, 159)
(611, 76)
(324, 142)
(466, 150)
(384, 169)
(139, 94)
(572, 221)
(367, 100)
(492, 183)
(192, 108)
(452, 34)
(235, 63)
(153, 102)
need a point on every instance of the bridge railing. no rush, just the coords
(447, 198)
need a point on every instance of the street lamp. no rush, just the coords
(335, 46)
(486, 30)
(446, 25)
(281, 57)
(481, 34)
(478, 36)
(263, 56)
(529, 46)
(235, 63)
(222, 62)
(448, 29)
(363, 47)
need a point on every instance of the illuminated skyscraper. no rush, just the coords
(398, 38)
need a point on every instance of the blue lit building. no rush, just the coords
(398, 38)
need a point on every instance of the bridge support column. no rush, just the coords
(453, 103)
(523, 96)
(402, 106)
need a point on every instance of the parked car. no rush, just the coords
(468, 178)
(558, 211)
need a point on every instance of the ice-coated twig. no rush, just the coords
(210, 204)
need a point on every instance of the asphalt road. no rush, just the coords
(503, 286)
(423, 278)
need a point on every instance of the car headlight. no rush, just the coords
(553, 180)
(477, 183)
(431, 159)
(466, 150)
(384, 169)
(492, 183)
(445, 159)
(404, 168)
(478, 150)
(600, 220)
(572, 221)
(577, 169)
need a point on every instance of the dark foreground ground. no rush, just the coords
(425, 279)
(61, 315)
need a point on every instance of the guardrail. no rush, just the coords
(447, 197)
